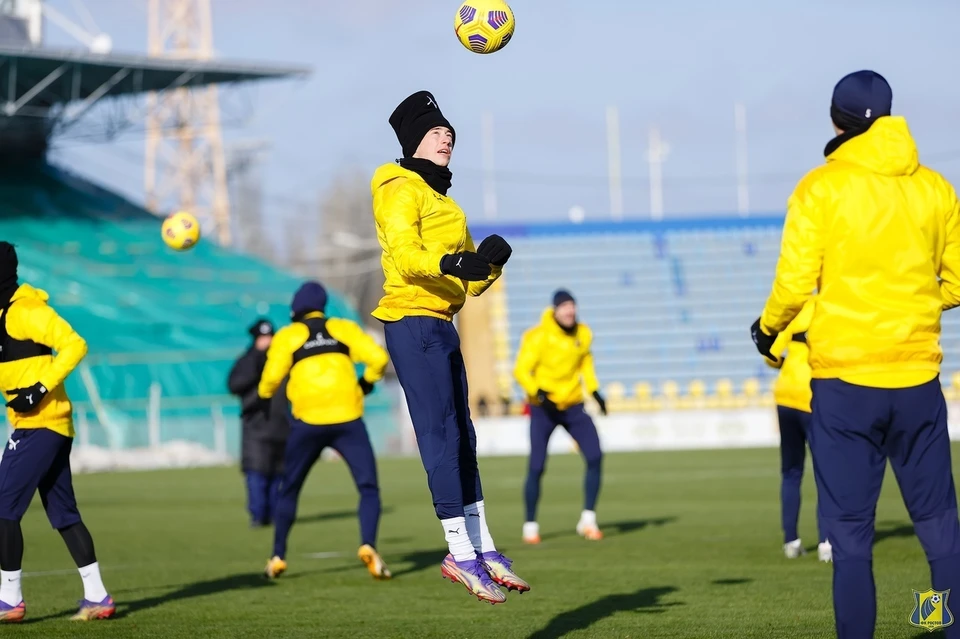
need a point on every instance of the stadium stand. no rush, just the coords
(163, 328)
(670, 304)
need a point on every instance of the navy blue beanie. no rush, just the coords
(562, 296)
(310, 297)
(859, 99)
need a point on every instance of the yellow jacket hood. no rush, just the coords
(27, 292)
(391, 171)
(886, 148)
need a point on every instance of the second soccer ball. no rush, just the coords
(484, 26)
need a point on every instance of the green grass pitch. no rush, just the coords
(692, 549)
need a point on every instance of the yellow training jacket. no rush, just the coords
(38, 330)
(877, 235)
(319, 354)
(416, 227)
(792, 388)
(556, 362)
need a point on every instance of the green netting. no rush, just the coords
(150, 315)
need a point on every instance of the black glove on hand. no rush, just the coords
(601, 402)
(763, 341)
(27, 399)
(495, 249)
(467, 266)
(365, 386)
(263, 406)
(546, 404)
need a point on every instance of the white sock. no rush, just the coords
(455, 532)
(10, 587)
(93, 589)
(477, 528)
(588, 518)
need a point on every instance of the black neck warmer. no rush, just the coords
(436, 176)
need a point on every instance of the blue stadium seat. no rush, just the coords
(668, 301)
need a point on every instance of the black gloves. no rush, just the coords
(546, 404)
(475, 267)
(27, 399)
(763, 341)
(601, 402)
(495, 249)
(365, 386)
(263, 406)
(466, 266)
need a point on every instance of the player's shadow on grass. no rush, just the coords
(184, 591)
(624, 527)
(337, 514)
(892, 530)
(731, 581)
(419, 560)
(645, 600)
(245, 581)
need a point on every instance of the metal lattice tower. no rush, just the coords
(184, 165)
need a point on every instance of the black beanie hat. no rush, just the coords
(562, 296)
(8, 266)
(262, 326)
(859, 99)
(414, 117)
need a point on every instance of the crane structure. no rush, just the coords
(185, 167)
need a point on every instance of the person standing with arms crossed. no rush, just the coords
(264, 435)
(878, 235)
(430, 266)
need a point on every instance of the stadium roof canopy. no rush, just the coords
(34, 81)
(45, 92)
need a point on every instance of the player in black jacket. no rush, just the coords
(265, 428)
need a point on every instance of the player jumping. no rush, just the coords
(792, 395)
(553, 365)
(319, 354)
(878, 235)
(430, 265)
(37, 455)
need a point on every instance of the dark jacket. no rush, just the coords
(263, 437)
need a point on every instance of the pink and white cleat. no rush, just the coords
(474, 577)
(90, 610)
(12, 614)
(499, 569)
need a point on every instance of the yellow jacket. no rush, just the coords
(319, 355)
(30, 319)
(556, 362)
(792, 388)
(416, 227)
(877, 235)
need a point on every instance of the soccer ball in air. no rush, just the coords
(484, 26)
(181, 231)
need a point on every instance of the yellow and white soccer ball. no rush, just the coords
(181, 231)
(484, 26)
